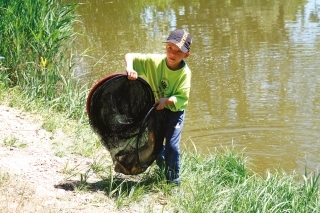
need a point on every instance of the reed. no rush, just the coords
(35, 38)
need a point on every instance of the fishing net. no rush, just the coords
(122, 113)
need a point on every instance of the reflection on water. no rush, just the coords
(255, 69)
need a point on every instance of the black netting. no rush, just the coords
(117, 108)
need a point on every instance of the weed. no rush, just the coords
(11, 141)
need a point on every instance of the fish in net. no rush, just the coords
(122, 113)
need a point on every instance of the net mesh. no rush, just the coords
(118, 112)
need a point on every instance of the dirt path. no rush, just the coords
(31, 173)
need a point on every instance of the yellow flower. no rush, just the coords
(43, 62)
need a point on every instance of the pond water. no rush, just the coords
(255, 64)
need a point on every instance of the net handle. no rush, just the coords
(140, 134)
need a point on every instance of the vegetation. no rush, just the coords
(35, 37)
(36, 74)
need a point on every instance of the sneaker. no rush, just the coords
(175, 182)
(173, 179)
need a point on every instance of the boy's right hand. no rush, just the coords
(132, 75)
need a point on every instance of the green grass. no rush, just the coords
(36, 38)
(36, 75)
(219, 182)
(13, 142)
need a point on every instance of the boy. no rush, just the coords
(170, 79)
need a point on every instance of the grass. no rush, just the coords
(11, 141)
(216, 183)
(36, 39)
(36, 75)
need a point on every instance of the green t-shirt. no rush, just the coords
(164, 82)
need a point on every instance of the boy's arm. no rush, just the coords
(129, 58)
(163, 101)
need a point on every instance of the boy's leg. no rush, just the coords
(172, 147)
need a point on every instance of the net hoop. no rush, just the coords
(95, 87)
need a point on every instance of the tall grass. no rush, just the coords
(35, 39)
(221, 183)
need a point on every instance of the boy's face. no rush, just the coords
(175, 56)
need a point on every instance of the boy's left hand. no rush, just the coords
(161, 103)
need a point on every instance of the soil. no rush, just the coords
(31, 174)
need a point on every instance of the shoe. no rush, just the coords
(175, 182)
(173, 179)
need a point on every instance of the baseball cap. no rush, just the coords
(182, 39)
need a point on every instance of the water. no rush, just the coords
(255, 64)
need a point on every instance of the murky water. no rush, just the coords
(256, 69)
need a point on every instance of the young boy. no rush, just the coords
(170, 79)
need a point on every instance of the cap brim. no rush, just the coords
(183, 48)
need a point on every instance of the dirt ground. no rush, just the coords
(31, 174)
